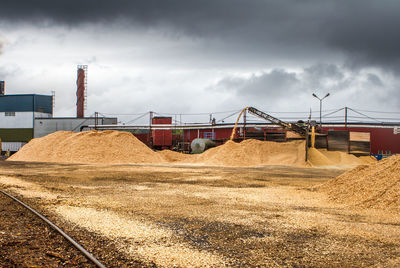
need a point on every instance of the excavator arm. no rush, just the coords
(293, 127)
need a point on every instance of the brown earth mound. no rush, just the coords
(373, 186)
(254, 153)
(87, 147)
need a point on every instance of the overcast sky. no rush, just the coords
(183, 56)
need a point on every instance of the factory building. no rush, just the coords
(17, 117)
(27, 116)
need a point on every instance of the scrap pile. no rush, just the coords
(373, 186)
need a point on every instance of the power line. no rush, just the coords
(379, 112)
(365, 115)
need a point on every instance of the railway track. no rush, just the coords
(79, 247)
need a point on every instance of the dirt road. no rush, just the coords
(169, 215)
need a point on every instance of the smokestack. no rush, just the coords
(2, 88)
(80, 92)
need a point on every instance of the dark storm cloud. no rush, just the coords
(365, 31)
(354, 87)
(2, 44)
(272, 84)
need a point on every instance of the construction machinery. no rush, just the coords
(302, 130)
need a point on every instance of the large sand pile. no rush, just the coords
(254, 153)
(87, 147)
(375, 185)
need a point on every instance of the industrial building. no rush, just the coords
(17, 117)
(27, 116)
(355, 138)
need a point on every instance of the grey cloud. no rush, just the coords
(345, 85)
(326, 77)
(273, 84)
(375, 80)
(364, 30)
(324, 70)
(2, 44)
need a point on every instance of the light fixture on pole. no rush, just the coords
(320, 107)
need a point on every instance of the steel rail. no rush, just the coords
(56, 228)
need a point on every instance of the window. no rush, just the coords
(9, 113)
(380, 152)
(388, 152)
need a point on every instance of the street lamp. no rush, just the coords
(320, 108)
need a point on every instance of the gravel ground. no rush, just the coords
(182, 216)
(25, 241)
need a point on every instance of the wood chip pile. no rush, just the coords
(122, 147)
(254, 152)
(172, 156)
(323, 157)
(372, 186)
(118, 147)
(87, 147)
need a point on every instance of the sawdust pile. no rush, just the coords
(323, 157)
(122, 147)
(87, 147)
(372, 186)
(172, 156)
(368, 159)
(253, 153)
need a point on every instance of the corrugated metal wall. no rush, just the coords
(45, 126)
(12, 146)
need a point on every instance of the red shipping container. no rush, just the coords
(162, 138)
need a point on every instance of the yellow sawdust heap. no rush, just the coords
(87, 147)
(172, 156)
(122, 147)
(375, 185)
(323, 157)
(253, 153)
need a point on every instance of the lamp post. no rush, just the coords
(320, 108)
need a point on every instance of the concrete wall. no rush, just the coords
(19, 119)
(45, 126)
